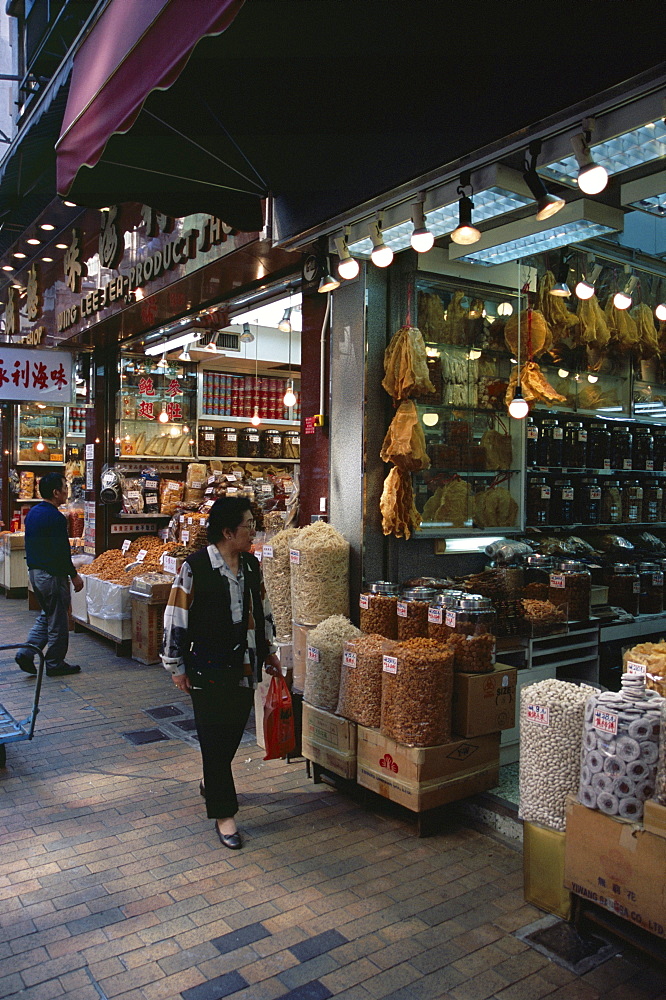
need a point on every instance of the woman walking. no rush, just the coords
(218, 634)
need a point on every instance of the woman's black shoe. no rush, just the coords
(202, 790)
(230, 840)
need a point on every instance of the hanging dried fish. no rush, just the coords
(399, 514)
(404, 444)
(533, 334)
(406, 365)
(622, 327)
(647, 333)
(561, 321)
(533, 384)
(593, 327)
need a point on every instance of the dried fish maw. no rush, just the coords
(404, 444)
(399, 514)
(495, 507)
(647, 333)
(533, 384)
(432, 505)
(499, 453)
(406, 365)
(533, 334)
(593, 326)
(454, 504)
(560, 320)
(456, 316)
(432, 317)
(622, 327)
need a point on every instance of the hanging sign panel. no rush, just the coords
(37, 376)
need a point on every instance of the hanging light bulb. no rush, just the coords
(164, 416)
(563, 373)
(348, 266)
(289, 398)
(560, 289)
(162, 363)
(284, 326)
(592, 378)
(211, 346)
(518, 408)
(585, 288)
(592, 177)
(623, 297)
(185, 356)
(505, 309)
(255, 420)
(547, 204)
(430, 419)
(40, 446)
(660, 311)
(465, 233)
(381, 255)
(422, 239)
(474, 354)
(246, 336)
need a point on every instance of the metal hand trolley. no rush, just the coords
(12, 730)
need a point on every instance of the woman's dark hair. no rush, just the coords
(49, 483)
(226, 512)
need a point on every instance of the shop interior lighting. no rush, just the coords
(465, 233)
(518, 408)
(47, 227)
(327, 282)
(430, 419)
(624, 296)
(211, 346)
(162, 363)
(560, 289)
(47, 260)
(40, 446)
(70, 204)
(289, 398)
(284, 326)
(586, 286)
(547, 204)
(185, 356)
(255, 420)
(421, 239)
(19, 255)
(61, 246)
(348, 266)
(33, 241)
(170, 345)
(246, 336)
(592, 176)
(164, 416)
(592, 378)
(579, 220)
(505, 309)
(474, 354)
(563, 373)
(647, 194)
(381, 255)
(7, 267)
(660, 311)
(631, 149)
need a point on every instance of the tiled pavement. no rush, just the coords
(113, 884)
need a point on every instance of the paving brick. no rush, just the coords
(215, 989)
(317, 945)
(241, 937)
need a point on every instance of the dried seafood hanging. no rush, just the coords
(432, 317)
(404, 444)
(593, 327)
(647, 333)
(495, 508)
(561, 321)
(533, 334)
(406, 365)
(622, 327)
(399, 514)
(534, 385)
(456, 319)
(451, 504)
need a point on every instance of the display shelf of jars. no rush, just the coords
(242, 458)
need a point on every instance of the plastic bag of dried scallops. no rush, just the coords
(324, 658)
(361, 680)
(417, 691)
(277, 578)
(319, 573)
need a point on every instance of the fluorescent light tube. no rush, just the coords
(170, 345)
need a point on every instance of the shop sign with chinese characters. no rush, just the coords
(36, 376)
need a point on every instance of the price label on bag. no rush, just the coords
(364, 601)
(313, 654)
(435, 616)
(402, 609)
(649, 465)
(294, 557)
(607, 464)
(582, 435)
(595, 493)
(568, 493)
(636, 668)
(268, 551)
(539, 714)
(545, 492)
(558, 580)
(626, 464)
(126, 544)
(349, 658)
(390, 664)
(558, 433)
(141, 555)
(605, 722)
(532, 433)
(184, 537)
(169, 565)
(450, 619)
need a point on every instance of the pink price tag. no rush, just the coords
(390, 664)
(313, 654)
(349, 659)
(364, 602)
(605, 722)
(402, 609)
(435, 616)
(539, 714)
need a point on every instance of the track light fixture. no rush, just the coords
(381, 254)
(246, 336)
(162, 363)
(547, 204)
(284, 326)
(211, 346)
(624, 296)
(348, 266)
(585, 287)
(422, 239)
(465, 233)
(185, 355)
(327, 282)
(592, 177)
(560, 289)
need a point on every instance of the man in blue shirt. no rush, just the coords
(50, 567)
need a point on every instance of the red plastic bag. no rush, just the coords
(279, 734)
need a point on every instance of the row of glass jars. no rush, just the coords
(248, 442)
(565, 500)
(574, 444)
(637, 589)
(424, 612)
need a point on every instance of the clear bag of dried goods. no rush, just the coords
(361, 680)
(660, 778)
(417, 690)
(277, 578)
(551, 724)
(648, 659)
(377, 609)
(324, 659)
(319, 573)
(620, 749)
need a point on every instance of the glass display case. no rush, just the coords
(40, 434)
(156, 409)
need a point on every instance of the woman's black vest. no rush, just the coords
(215, 641)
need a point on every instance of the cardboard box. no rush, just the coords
(543, 869)
(420, 778)
(617, 865)
(79, 604)
(484, 703)
(147, 628)
(329, 740)
(117, 629)
(654, 818)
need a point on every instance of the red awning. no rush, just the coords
(136, 47)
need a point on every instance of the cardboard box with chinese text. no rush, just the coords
(484, 703)
(329, 740)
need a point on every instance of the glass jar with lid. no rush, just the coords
(652, 589)
(621, 447)
(653, 501)
(588, 500)
(659, 435)
(537, 576)
(249, 444)
(571, 585)
(291, 444)
(538, 501)
(549, 444)
(226, 442)
(206, 441)
(563, 502)
(575, 445)
(611, 502)
(271, 443)
(441, 614)
(642, 454)
(532, 442)
(474, 634)
(412, 612)
(377, 609)
(624, 588)
(598, 446)
(632, 502)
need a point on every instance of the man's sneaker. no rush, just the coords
(25, 663)
(64, 668)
